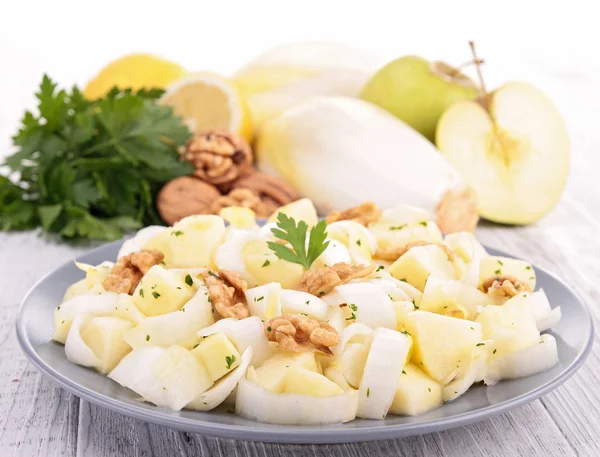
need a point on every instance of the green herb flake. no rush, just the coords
(182, 309)
(494, 351)
(397, 227)
(368, 391)
(230, 360)
(188, 280)
(405, 332)
(266, 263)
(141, 293)
(196, 345)
(498, 271)
(429, 389)
(296, 234)
(147, 337)
(269, 328)
(308, 302)
(353, 307)
(155, 295)
(480, 344)
(358, 242)
(528, 267)
(212, 273)
(262, 297)
(177, 233)
(58, 307)
(403, 372)
(62, 322)
(500, 263)
(423, 223)
(379, 268)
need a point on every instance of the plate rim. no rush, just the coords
(300, 434)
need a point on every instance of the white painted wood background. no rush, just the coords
(552, 46)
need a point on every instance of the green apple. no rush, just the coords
(512, 149)
(418, 91)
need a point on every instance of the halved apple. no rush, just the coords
(515, 154)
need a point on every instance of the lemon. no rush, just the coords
(209, 101)
(137, 71)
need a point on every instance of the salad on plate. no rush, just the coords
(305, 321)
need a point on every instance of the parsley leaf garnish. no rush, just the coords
(287, 230)
(91, 168)
(230, 360)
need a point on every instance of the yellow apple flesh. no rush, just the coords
(515, 156)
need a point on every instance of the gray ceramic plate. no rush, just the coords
(574, 335)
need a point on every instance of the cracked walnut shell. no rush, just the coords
(301, 334)
(219, 157)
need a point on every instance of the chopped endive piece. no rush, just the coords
(418, 263)
(360, 242)
(192, 241)
(76, 349)
(219, 392)
(404, 215)
(265, 301)
(452, 298)
(540, 356)
(175, 328)
(298, 302)
(354, 358)
(367, 304)
(393, 235)
(496, 266)
(334, 374)
(416, 393)
(336, 252)
(510, 327)
(138, 242)
(239, 217)
(272, 373)
(545, 316)
(98, 304)
(300, 210)
(385, 361)
(104, 336)
(441, 343)
(468, 374)
(355, 333)
(74, 290)
(127, 309)
(161, 291)
(229, 255)
(256, 402)
(244, 334)
(95, 274)
(308, 382)
(218, 354)
(403, 308)
(466, 246)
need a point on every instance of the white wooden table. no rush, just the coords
(39, 419)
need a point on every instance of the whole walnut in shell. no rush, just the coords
(185, 196)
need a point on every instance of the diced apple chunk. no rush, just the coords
(161, 291)
(298, 302)
(271, 374)
(300, 210)
(394, 235)
(353, 362)
(264, 266)
(441, 343)
(218, 354)
(104, 336)
(78, 288)
(452, 298)
(510, 327)
(495, 266)
(416, 393)
(303, 381)
(418, 263)
(193, 240)
(403, 308)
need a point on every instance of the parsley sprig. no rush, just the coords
(91, 168)
(295, 234)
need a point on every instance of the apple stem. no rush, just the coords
(461, 67)
(482, 89)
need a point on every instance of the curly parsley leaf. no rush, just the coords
(91, 168)
(295, 235)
